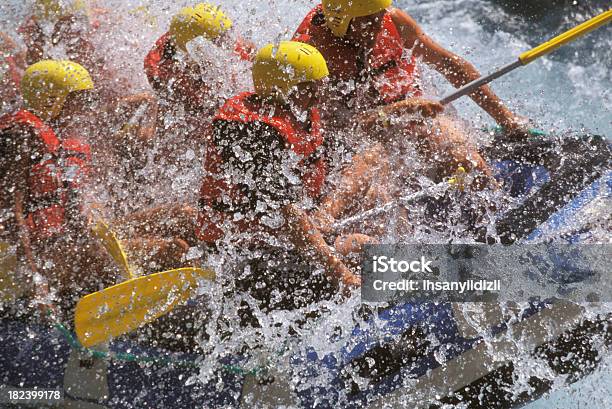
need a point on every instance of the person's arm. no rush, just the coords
(73, 31)
(20, 175)
(11, 51)
(457, 70)
(34, 39)
(41, 292)
(267, 150)
(7, 45)
(356, 179)
(25, 154)
(41, 287)
(376, 122)
(307, 238)
(139, 116)
(24, 235)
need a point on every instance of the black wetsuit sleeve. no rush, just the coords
(256, 159)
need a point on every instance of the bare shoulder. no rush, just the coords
(406, 25)
(403, 19)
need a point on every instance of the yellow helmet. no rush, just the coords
(54, 9)
(46, 84)
(340, 13)
(278, 68)
(202, 20)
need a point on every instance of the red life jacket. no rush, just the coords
(164, 71)
(397, 76)
(61, 171)
(158, 63)
(245, 109)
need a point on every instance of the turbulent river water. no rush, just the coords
(570, 90)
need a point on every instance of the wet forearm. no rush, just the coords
(460, 72)
(456, 70)
(40, 284)
(34, 39)
(24, 237)
(307, 238)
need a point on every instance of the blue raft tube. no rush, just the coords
(394, 360)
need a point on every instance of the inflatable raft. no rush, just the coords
(404, 356)
(428, 355)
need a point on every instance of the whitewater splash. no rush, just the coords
(556, 93)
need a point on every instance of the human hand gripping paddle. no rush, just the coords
(428, 108)
(124, 307)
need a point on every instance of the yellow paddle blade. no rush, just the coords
(124, 307)
(112, 244)
(570, 35)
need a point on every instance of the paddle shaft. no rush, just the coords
(532, 55)
(406, 200)
(474, 85)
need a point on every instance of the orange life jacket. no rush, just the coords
(164, 71)
(60, 173)
(397, 75)
(245, 108)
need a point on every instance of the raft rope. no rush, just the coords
(128, 357)
(500, 130)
